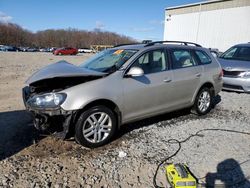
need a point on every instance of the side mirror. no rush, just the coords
(135, 72)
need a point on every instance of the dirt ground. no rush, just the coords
(29, 159)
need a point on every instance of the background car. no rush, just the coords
(236, 68)
(65, 51)
(215, 52)
(85, 50)
(9, 48)
(32, 49)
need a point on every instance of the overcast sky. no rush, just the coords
(139, 19)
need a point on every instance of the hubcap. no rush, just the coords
(97, 127)
(204, 101)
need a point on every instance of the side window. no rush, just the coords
(203, 57)
(182, 58)
(151, 62)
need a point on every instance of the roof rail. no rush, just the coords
(125, 44)
(169, 41)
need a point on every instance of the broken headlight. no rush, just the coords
(48, 100)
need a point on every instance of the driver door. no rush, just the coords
(149, 94)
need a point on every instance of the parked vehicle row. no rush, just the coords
(9, 48)
(54, 50)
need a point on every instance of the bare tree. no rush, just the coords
(13, 34)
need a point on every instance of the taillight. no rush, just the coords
(221, 73)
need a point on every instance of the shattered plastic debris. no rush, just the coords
(122, 154)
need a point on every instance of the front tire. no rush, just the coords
(95, 127)
(203, 102)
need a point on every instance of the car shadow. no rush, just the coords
(179, 115)
(229, 173)
(16, 132)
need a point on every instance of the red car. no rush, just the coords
(65, 51)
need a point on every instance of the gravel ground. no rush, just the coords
(28, 159)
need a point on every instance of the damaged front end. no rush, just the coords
(44, 95)
(50, 120)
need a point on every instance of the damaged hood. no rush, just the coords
(61, 69)
(234, 65)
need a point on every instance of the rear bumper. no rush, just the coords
(236, 84)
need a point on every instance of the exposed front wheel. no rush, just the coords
(203, 102)
(95, 127)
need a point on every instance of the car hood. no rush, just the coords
(61, 69)
(234, 65)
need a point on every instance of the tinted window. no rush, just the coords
(151, 62)
(182, 58)
(203, 57)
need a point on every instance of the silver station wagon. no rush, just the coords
(121, 85)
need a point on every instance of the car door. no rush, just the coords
(148, 94)
(186, 76)
(67, 51)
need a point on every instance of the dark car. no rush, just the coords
(65, 51)
(9, 48)
(236, 67)
(32, 49)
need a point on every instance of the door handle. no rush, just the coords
(198, 75)
(167, 80)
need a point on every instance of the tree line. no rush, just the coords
(15, 35)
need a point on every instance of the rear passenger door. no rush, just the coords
(186, 75)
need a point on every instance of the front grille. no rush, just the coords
(233, 87)
(231, 73)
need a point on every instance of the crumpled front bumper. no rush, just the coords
(54, 121)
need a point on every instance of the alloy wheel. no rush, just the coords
(97, 127)
(204, 101)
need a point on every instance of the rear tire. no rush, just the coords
(95, 127)
(203, 102)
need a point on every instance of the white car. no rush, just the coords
(85, 50)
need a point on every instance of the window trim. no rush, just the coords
(143, 53)
(192, 55)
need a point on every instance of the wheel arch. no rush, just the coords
(206, 84)
(99, 102)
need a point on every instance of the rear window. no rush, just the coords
(203, 57)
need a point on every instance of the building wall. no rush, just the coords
(216, 28)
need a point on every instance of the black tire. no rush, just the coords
(197, 107)
(82, 122)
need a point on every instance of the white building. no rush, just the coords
(213, 24)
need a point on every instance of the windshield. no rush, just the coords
(237, 53)
(108, 60)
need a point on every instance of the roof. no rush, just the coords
(195, 4)
(243, 44)
(206, 6)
